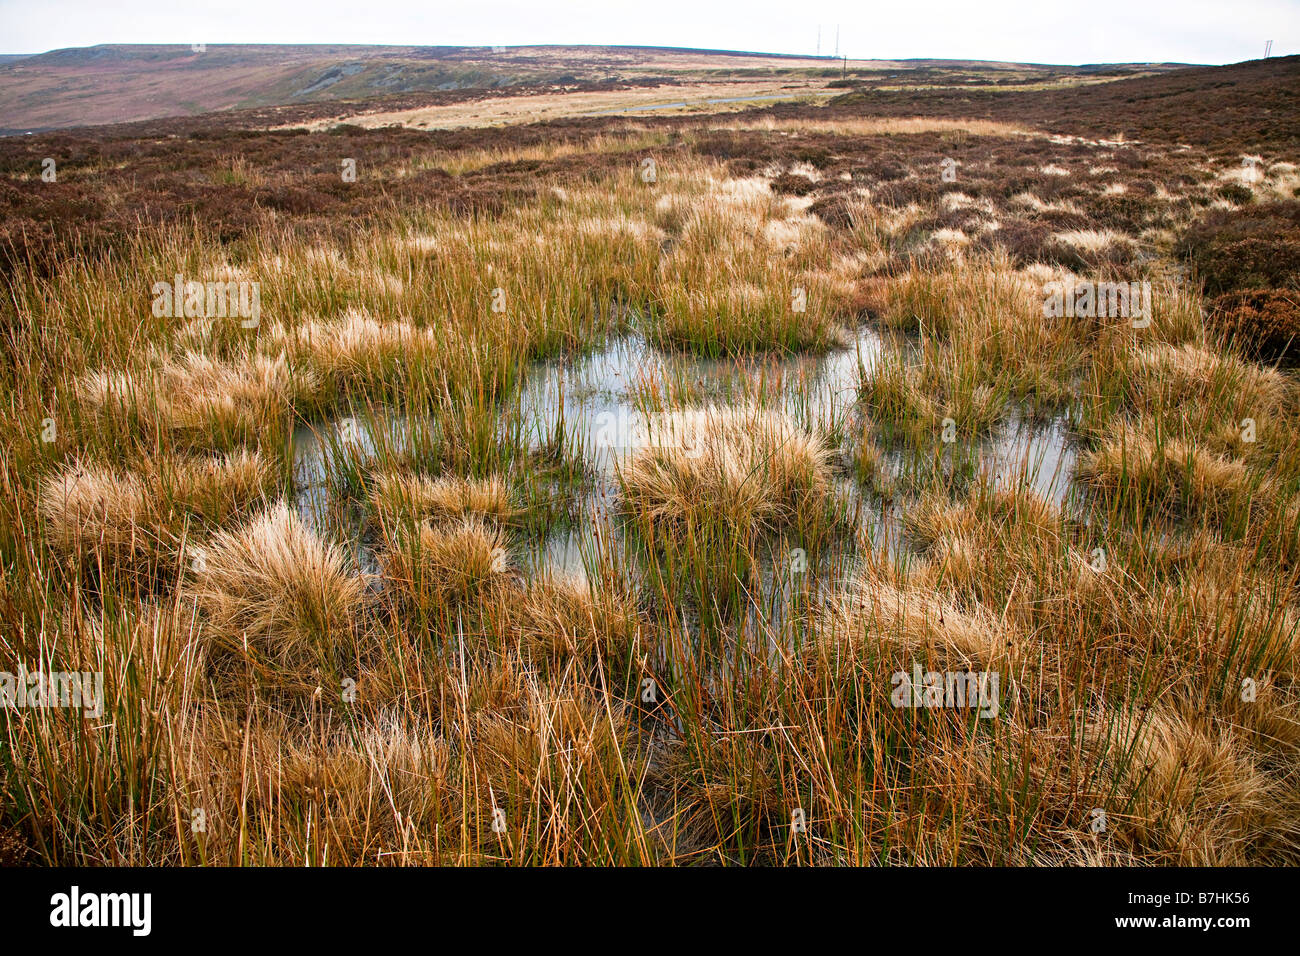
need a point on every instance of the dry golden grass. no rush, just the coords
(398, 497)
(358, 347)
(563, 616)
(549, 752)
(95, 506)
(909, 621)
(485, 686)
(749, 270)
(887, 126)
(742, 469)
(538, 108)
(276, 597)
(197, 395)
(1167, 375)
(1182, 791)
(1196, 790)
(1173, 475)
(441, 565)
(93, 509)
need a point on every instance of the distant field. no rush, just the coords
(646, 101)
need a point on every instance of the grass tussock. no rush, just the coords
(93, 509)
(441, 565)
(357, 348)
(197, 397)
(279, 601)
(913, 623)
(396, 497)
(564, 617)
(1146, 469)
(742, 470)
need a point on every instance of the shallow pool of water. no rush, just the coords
(601, 400)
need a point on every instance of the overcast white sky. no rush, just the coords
(1044, 31)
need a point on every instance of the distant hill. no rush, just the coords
(1250, 104)
(115, 84)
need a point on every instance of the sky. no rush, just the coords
(1039, 31)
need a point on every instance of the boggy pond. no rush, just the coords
(604, 392)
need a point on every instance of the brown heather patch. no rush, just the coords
(14, 850)
(793, 184)
(1257, 247)
(1264, 323)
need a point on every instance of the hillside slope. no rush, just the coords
(116, 84)
(1251, 103)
